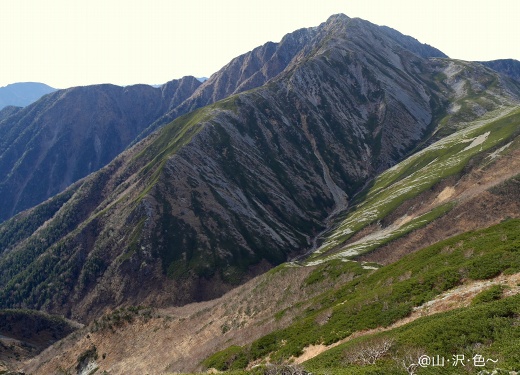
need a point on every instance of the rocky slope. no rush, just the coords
(257, 67)
(247, 71)
(8, 111)
(70, 133)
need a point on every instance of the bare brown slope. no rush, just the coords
(25, 333)
(178, 339)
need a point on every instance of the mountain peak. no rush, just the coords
(340, 24)
(338, 17)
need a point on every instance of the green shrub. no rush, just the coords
(231, 358)
(382, 297)
(491, 294)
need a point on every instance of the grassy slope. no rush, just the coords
(391, 293)
(388, 294)
(487, 329)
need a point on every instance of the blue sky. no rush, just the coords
(67, 43)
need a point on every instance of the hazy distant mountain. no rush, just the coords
(23, 94)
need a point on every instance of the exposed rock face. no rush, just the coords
(247, 71)
(233, 188)
(257, 67)
(412, 44)
(177, 90)
(70, 133)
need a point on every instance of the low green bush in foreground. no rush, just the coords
(390, 293)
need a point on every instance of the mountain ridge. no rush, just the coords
(270, 60)
(508, 67)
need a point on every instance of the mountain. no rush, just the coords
(235, 188)
(459, 268)
(23, 94)
(252, 69)
(508, 67)
(373, 176)
(70, 133)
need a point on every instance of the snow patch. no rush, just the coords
(454, 108)
(477, 141)
(495, 154)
